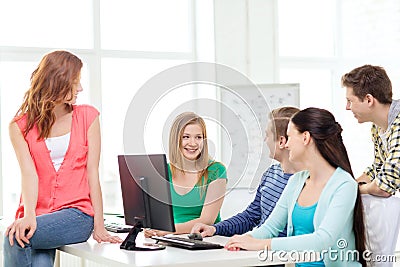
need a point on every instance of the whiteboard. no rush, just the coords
(244, 114)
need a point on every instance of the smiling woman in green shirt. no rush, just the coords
(189, 206)
(198, 182)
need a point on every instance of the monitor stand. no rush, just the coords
(130, 241)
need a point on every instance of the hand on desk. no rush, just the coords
(100, 234)
(151, 232)
(204, 229)
(247, 242)
(372, 188)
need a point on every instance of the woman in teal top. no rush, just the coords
(321, 206)
(198, 183)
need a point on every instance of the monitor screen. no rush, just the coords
(146, 194)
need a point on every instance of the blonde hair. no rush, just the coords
(280, 118)
(175, 142)
(51, 83)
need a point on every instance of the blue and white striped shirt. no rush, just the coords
(270, 189)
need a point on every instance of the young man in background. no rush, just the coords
(369, 97)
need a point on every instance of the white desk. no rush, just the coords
(112, 255)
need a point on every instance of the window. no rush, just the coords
(319, 41)
(118, 90)
(306, 28)
(12, 90)
(46, 23)
(122, 44)
(370, 28)
(151, 25)
(313, 82)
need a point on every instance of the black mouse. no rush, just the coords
(195, 236)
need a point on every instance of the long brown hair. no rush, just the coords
(326, 133)
(175, 155)
(51, 83)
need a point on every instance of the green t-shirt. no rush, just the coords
(189, 206)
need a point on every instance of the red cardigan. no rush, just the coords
(68, 187)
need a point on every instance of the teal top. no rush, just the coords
(189, 206)
(333, 219)
(302, 218)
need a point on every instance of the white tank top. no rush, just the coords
(58, 147)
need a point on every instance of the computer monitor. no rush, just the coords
(146, 196)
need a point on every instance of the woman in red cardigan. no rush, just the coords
(57, 144)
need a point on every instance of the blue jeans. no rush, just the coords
(67, 226)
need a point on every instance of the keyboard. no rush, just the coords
(117, 227)
(187, 243)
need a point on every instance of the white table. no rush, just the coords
(112, 255)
